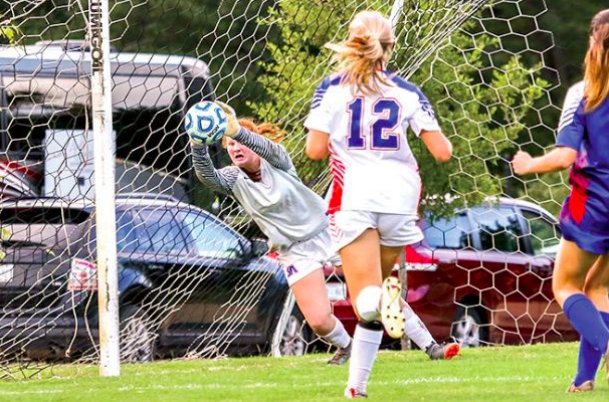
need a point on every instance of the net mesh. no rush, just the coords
(190, 282)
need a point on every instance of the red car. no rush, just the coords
(481, 276)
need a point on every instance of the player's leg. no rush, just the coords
(361, 266)
(596, 289)
(414, 328)
(391, 304)
(402, 230)
(312, 299)
(570, 272)
(304, 263)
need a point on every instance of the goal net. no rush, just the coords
(193, 279)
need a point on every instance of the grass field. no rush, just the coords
(529, 373)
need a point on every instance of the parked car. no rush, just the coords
(188, 283)
(481, 276)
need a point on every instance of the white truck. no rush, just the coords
(46, 122)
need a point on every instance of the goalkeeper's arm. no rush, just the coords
(220, 181)
(272, 152)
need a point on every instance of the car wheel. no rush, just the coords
(137, 339)
(296, 336)
(468, 328)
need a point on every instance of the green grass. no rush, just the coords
(528, 373)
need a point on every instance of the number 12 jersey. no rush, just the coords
(373, 167)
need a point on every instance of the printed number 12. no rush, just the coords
(383, 136)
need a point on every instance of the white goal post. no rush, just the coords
(107, 270)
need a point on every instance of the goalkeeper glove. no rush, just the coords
(232, 127)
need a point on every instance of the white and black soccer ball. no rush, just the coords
(205, 122)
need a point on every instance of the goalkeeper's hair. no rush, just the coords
(269, 130)
(364, 54)
(596, 63)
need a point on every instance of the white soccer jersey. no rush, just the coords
(372, 165)
(284, 208)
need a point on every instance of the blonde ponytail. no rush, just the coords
(596, 63)
(362, 57)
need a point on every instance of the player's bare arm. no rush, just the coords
(317, 145)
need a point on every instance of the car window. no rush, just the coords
(159, 231)
(210, 238)
(544, 237)
(499, 228)
(127, 239)
(451, 232)
(42, 215)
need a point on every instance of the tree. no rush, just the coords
(266, 57)
(9, 35)
(480, 96)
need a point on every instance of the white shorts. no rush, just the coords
(300, 259)
(394, 230)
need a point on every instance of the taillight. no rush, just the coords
(418, 260)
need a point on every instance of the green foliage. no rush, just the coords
(297, 65)
(548, 190)
(481, 117)
(9, 35)
(480, 114)
(267, 56)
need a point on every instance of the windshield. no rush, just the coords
(453, 232)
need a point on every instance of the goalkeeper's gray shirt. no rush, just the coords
(284, 208)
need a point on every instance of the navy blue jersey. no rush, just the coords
(585, 214)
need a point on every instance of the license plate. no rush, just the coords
(83, 275)
(336, 291)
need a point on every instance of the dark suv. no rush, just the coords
(188, 283)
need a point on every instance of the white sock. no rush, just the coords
(338, 336)
(366, 344)
(415, 329)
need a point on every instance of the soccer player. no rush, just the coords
(581, 273)
(359, 118)
(264, 181)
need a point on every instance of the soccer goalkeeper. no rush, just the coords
(264, 181)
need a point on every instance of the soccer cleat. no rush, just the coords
(352, 393)
(585, 386)
(443, 352)
(341, 356)
(391, 312)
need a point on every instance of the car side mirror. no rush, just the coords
(260, 247)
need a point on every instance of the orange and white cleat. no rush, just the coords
(443, 352)
(352, 393)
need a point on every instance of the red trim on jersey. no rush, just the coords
(579, 196)
(335, 232)
(337, 168)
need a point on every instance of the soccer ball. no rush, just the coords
(205, 122)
